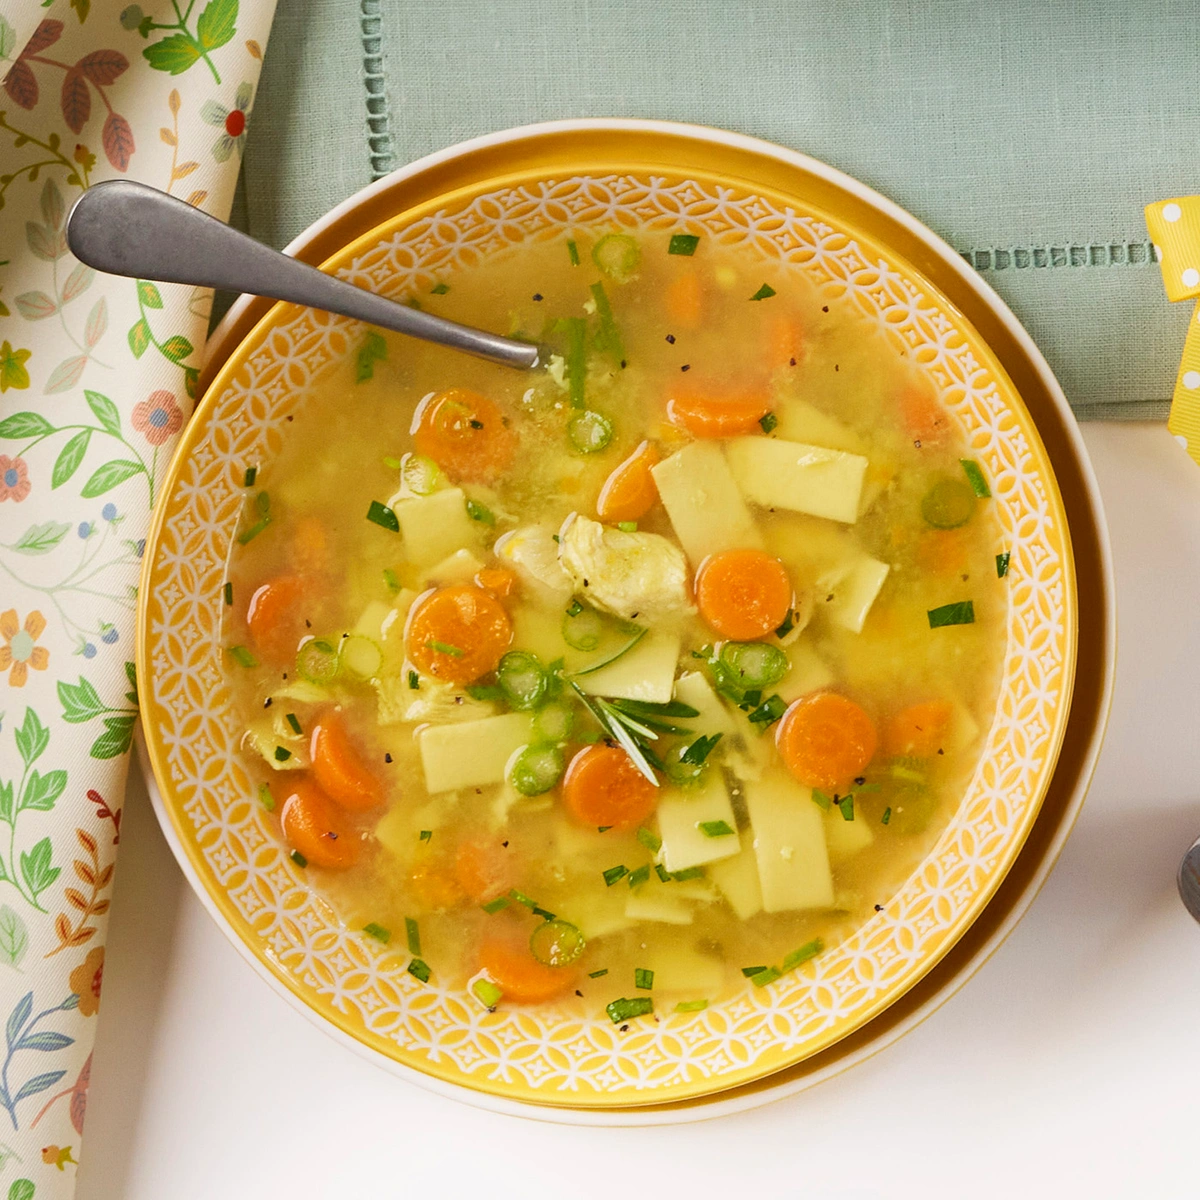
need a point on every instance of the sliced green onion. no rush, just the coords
(228, 594)
(663, 874)
(487, 993)
(522, 679)
(282, 754)
(821, 800)
(383, 516)
(683, 243)
(962, 613)
(521, 898)
(765, 976)
(617, 255)
(419, 969)
(750, 972)
(413, 933)
(536, 769)
(789, 623)
(421, 475)
(575, 358)
(628, 1007)
(553, 723)
(444, 648)
(623, 526)
(582, 628)
(294, 722)
(846, 808)
(700, 749)
(754, 664)
(480, 512)
(687, 873)
(643, 979)
(769, 711)
(948, 504)
(603, 828)
(263, 503)
(248, 535)
(976, 478)
(573, 252)
(494, 906)
(768, 421)
(373, 350)
(378, 932)
(589, 431)
(1002, 561)
(649, 839)
(638, 877)
(425, 834)
(250, 476)
(613, 874)
(389, 577)
(887, 816)
(414, 680)
(556, 943)
(265, 798)
(439, 289)
(242, 656)
(361, 657)
(680, 769)
(608, 336)
(597, 974)
(764, 293)
(807, 951)
(317, 661)
(298, 858)
(687, 1006)
(714, 829)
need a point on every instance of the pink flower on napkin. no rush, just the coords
(157, 417)
(14, 479)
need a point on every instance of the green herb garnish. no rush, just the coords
(1002, 561)
(413, 933)
(377, 931)
(764, 293)
(282, 754)
(383, 516)
(597, 974)
(263, 503)
(298, 858)
(419, 969)
(638, 877)
(242, 656)
(389, 577)
(439, 289)
(294, 722)
(789, 623)
(846, 807)
(444, 648)
(573, 252)
(228, 589)
(975, 477)
(613, 874)
(714, 829)
(575, 358)
(265, 798)
(249, 534)
(769, 711)
(643, 979)
(821, 800)
(700, 749)
(687, 1006)
(765, 976)
(414, 680)
(662, 873)
(487, 993)
(627, 526)
(808, 950)
(521, 898)
(768, 421)
(425, 834)
(603, 828)
(485, 691)
(608, 336)
(494, 906)
(887, 816)
(250, 476)
(480, 512)
(962, 613)
(627, 1007)
(649, 839)
(683, 243)
(750, 972)
(687, 873)
(373, 350)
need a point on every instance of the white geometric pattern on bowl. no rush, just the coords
(552, 1055)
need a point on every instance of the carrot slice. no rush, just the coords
(482, 869)
(785, 341)
(465, 433)
(707, 416)
(743, 594)
(918, 731)
(925, 419)
(275, 617)
(315, 826)
(603, 787)
(941, 551)
(519, 975)
(826, 741)
(435, 887)
(310, 544)
(338, 766)
(500, 581)
(684, 300)
(457, 634)
(630, 492)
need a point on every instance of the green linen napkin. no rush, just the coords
(1029, 135)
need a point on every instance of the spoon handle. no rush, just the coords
(127, 228)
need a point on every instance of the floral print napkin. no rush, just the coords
(97, 376)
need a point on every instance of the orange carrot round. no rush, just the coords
(603, 787)
(924, 418)
(630, 492)
(500, 581)
(708, 416)
(338, 767)
(435, 887)
(743, 594)
(465, 433)
(482, 869)
(826, 741)
(315, 826)
(275, 617)
(683, 300)
(918, 731)
(519, 975)
(785, 341)
(458, 633)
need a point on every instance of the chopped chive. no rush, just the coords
(768, 421)
(627, 1007)
(962, 613)
(263, 503)
(769, 711)
(494, 906)
(389, 577)
(975, 477)
(613, 874)
(294, 722)
(638, 877)
(603, 828)
(555, 538)
(700, 749)
(480, 512)
(608, 336)
(414, 680)
(649, 839)
(713, 829)
(487, 993)
(597, 974)
(764, 293)
(298, 858)
(643, 979)
(662, 873)
(687, 873)
(228, 594)
(475, 423)
(383, 516)
(282, 754)
(444, 648)
(248, 535)
(683, 243)
(822, 800)
(413, 933)
(250, 476)
(265, 798)
(373, 350)
(543, 913)
(887, 816)
(521, 898)
(627, 526)
(573, 252)
(575, 609)
(242, 656)
(846, 807)
(485, 691)
(765, 976)
(439, 289)
(425, 834)
(419, 969)
(807, 951)
(750, 972)
(377, 931)
(1002, 561)
(789, 623)
(686, 1006)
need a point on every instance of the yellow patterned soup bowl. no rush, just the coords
(453, 209)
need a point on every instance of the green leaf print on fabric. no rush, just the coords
(31, 871)
(41, 539)
(181, 50)
(81, 702)
(14, 937)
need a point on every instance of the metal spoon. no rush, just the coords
(127, 228)
(1189, 880)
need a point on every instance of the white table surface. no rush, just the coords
(1067, 1067)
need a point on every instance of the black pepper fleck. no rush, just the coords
(791, 362)
(859, 781)
(917, 443)
(879, 908)
(623, 364)
(670, 339)
(686, 367)
(825, 308)
(504, 844)
(267, 702)
(387, 758)
(579, 993)
(307, 623)
(537, 295)
(624, 1028)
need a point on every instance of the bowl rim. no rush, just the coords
(233, 330)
